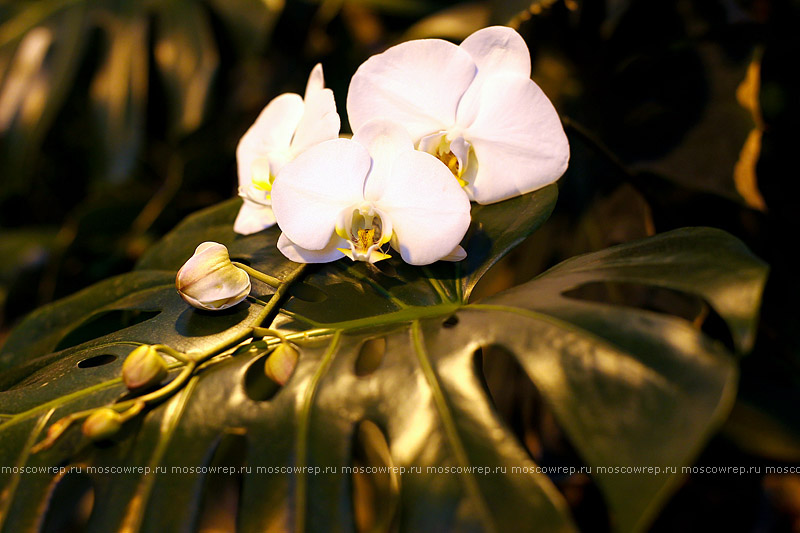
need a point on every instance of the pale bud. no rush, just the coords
(102, 424)
(210, 281)
(143, 367)
(280, 364)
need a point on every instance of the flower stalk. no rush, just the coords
(107, 420)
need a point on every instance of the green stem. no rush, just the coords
(180, 356)
(131, 408)
(260, 276)
(196, 359)
(266, 332)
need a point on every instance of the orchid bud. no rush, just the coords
(208, 280)
(280, 364)
(102, 424)
(143, 367)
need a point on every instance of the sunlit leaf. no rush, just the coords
(186, 57)
(629, 386)
(119, 91)
(36, 71)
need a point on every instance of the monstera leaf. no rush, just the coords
(387, 381)
(42, 45)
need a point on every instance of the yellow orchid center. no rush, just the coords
(440, 146)
(365, 238)
(365, 234)
(261, 177)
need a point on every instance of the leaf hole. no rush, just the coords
(103, 324)
(659, 300)
(307, 293)
(515, 399)
(375, 495)
(370, 356)
(221, 492)
(450, 322)
(258, 386)
(97, 360)
(70, 504)
(521, 407)
(640, 296)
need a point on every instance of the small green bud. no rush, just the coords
(102, 424)
(280, 364)
(143, 367)
(208, 280)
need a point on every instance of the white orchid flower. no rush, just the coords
(473, 106)
(352, 197)
(287, 126)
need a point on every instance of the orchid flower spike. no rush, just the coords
(473, 106)
(287, 126)
(352, 197)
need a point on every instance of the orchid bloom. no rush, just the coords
(352, 197)
(473, 106)
(285, 128)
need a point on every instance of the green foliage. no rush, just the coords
(43, 44)
(388, 375)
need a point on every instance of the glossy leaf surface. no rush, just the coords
(386, 376)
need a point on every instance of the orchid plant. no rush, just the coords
(442, 134)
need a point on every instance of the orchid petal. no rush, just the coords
(385, 141)
(271, 132)
(320, 121)
(517, 138)
(316, 81)
(417, 84)
(312, 190)
(208, 280)
(301, 255)
(253, 218)
(428, 209)
(495, 50)
(457, 254)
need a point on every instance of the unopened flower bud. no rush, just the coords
(102, 424)
(143, 367)
(280, 364)
(210, 281)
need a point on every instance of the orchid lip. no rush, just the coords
(450, 148)
(364, 230)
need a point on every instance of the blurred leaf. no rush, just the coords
(454, 23)
(23, 249)
(744, 172)
(757, 432)
(631, 387)
(707, 156)
(249, 22)
(513, 12)
(119, 91)
(40, 67)
(186, 56)
(23, 255)
(42, 44)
